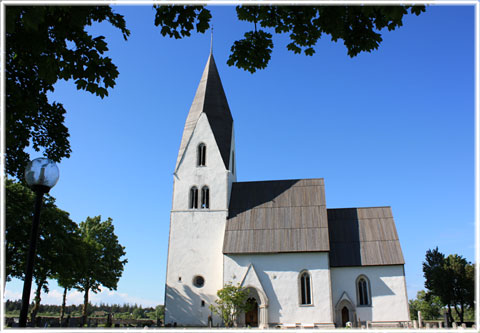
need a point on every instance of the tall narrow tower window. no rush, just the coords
(233, 162)
(193, 198)
(201, 155)
(205, 197)
(305, 289)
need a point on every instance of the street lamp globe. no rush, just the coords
(41, 174)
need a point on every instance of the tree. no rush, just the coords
(156, 313)
(160, 312)
(431, 308)
(451, 279)
(103, 264)
(69, 272)
(57, 249)
(460, 276)
(45, 44)
(138, 313)
(358, 26)
(58, 235)
(232, 300)
(19, 204)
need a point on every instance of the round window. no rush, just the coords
(198, 281)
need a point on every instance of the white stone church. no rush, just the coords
(304, 265)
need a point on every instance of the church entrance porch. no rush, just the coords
(251, 317)
(345, 311)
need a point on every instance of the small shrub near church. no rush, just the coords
(231, 302)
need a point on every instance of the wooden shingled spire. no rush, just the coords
(210, 99)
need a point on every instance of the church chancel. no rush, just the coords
(303, 264)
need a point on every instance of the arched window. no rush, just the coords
(205, 197)
(193, 198)
(363, 291)
(305, 289)
(201, 154)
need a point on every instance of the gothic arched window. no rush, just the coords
(201, 154)
(363, 291)
(305, 288)
(193, 198)
(205, 197)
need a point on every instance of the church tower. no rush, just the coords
(203, 176)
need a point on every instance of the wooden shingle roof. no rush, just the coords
(277, 216)
(210, 99)
(291, 216)
(363, 237)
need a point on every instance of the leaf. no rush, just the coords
(252, 52)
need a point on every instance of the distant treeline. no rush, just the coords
(13, 306)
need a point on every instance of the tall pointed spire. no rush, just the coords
(210, 99)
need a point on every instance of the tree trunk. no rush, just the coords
(34, 312)
(85, 305)
(459, 313)
(450, 316)
(64, 302)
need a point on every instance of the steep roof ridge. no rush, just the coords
(210, 99)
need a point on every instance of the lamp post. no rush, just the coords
(41, 175)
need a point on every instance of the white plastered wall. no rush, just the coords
(196, 236)
(387, 286)
(279, 276)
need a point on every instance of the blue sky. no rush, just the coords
(393, 127)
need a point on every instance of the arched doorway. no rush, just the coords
(260, 303)
(251, 317)
(345, 316)
(345, 311)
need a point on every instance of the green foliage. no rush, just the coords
(138, 313)
(103, 265)
(252, 52)
(431, 308)
(358, 26)
(124, 311)
(45, 44)
(178, 21)
(19, 205)
(58, 235)
(451, 279)
(232, 300)
(468, 316)
(158, 313)
(57, 246)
